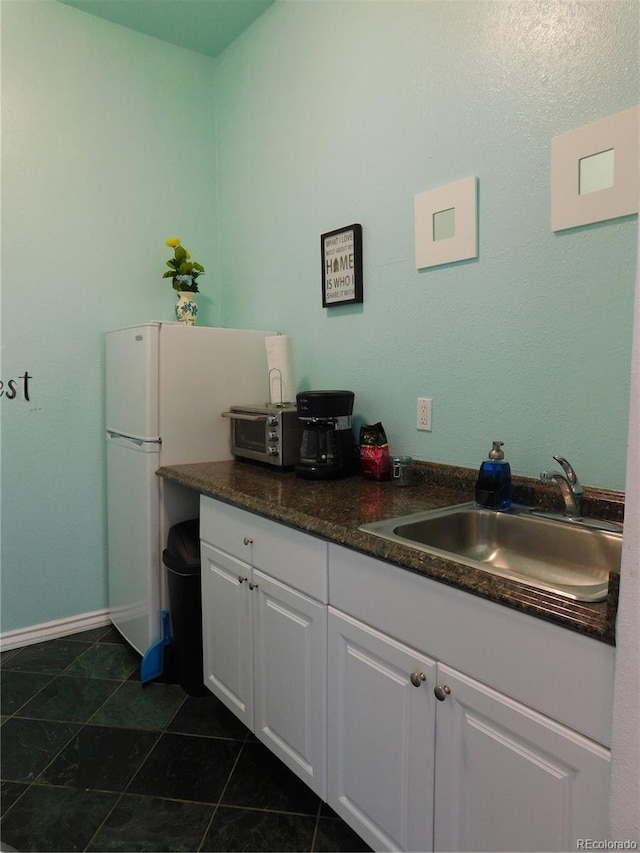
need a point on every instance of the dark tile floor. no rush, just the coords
(92, 760)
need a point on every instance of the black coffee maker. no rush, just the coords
(328, 448)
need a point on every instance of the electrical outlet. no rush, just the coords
(424, 414)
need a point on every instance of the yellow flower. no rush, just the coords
(183, 271)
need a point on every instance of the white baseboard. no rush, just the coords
(52, 630)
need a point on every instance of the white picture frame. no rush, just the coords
(456, 239)
(617, 136)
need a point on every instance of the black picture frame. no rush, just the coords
(341, 254)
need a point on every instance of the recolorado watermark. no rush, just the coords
(594, 844)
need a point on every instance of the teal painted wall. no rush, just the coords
(107, 150)
(329, 113)
(325, 114)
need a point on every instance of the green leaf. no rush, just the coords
(185, 268)
(198, 267)
(168, 274)
(180, 254)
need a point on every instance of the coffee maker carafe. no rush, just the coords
(328, 447)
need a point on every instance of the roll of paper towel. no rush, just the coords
(281, 384)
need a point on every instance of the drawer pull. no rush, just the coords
(242, 578)
(417, 678)
(253, 585)
(442, 691)
(248, 540)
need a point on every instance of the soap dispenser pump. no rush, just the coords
(493, 487)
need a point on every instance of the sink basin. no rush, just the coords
(568, 558)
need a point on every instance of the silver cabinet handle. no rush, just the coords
(248, 540)
(442, 691)
(253, 585)
(417, 678)
(242, 578)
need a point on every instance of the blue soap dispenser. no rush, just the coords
(493, 487)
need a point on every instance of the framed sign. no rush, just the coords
(342, 266)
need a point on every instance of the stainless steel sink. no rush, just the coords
(570, 558)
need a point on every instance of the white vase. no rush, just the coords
(186, 308)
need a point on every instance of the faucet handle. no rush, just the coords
(572, 477)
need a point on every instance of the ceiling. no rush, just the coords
(206, 26)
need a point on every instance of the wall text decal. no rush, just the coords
(13, 388)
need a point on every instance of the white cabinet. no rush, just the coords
(429, 718)
(381, 736)
(510, 779)
(501, 775)
(264, 640)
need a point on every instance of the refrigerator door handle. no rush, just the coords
(144, 444)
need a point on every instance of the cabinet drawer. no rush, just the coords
(294, 558)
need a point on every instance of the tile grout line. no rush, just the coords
(37, 693)
(161, 732)
(222, 792)
(120, 797)
(106, 818)
(142, 761)
(316, 827)
(80, 726)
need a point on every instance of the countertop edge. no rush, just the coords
(224, 481)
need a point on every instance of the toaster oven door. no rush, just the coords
(249, 435)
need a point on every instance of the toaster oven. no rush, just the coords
(267, 432)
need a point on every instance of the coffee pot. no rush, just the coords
(327, 447)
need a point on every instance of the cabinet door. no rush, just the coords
(227, 631)
(508, 778)
(290, 677)
(380, 736)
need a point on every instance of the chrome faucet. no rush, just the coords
(570, 487)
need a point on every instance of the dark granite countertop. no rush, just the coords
(334, 509)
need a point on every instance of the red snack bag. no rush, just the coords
(374, 452)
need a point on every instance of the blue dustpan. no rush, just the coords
(152, 665)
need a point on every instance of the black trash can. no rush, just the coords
(182, 559)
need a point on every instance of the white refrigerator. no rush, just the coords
(166, 388)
